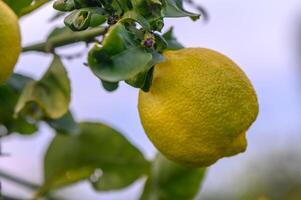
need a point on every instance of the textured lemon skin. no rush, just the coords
(10, 41)
(198, 108)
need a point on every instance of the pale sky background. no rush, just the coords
(261, 36)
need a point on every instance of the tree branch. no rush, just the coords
(62, 40)
(18, 180)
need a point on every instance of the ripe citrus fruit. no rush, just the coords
(10, 41)
(199, 107)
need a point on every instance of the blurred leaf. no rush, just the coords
(18, 5)
(9, 94)
(174, 8)
(24, 7)
(120, 57)
(99, 153)
(18, 81)
(50, 95)
(57, 16)
(64, 125)
(36, 4)
(172, 43)
(169, 180)
(59, 31)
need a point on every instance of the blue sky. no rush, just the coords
(258, 35)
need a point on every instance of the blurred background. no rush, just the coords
(263, 37)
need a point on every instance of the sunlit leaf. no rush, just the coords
(169, 180)
(99, 153)
(50, 95)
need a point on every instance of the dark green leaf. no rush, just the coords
(172, 43)
(133, 15)
(98, 153)
(147, 13)
(9, 94)
(17, 6)
(174, 8)
(18, 82)
(120, 57)
(161, 44)
(138, 80)
(50, 95)
(65, 125)
(149, 80)
(110, 86)
(169, 180)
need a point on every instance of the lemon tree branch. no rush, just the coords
(63, 40)
(18, 180)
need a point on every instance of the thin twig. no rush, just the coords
(66, 39)
(18, 180)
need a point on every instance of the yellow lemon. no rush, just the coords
(199, 107)
(10, 41)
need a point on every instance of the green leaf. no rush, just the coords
(99, 153)
(147, 13)
(18, 82)
(135, 16)
(110, 86)
(64, 125)
(59, 31)
(50, 95)
(174, 8)
(17, 6)
(120, 57)
(9, 94)
(172, 43)
(169, 180)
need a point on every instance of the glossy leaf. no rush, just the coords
(50, 95)
(120, 57)
(169, 180)
(97, 150)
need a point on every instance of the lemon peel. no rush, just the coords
(199, 107)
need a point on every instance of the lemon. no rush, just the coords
(199, 107)
(10, 41)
